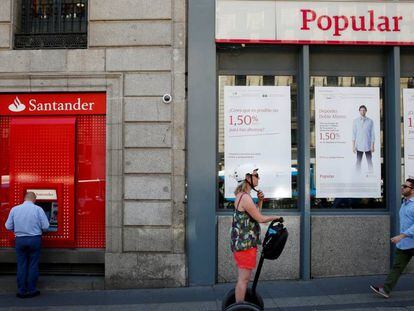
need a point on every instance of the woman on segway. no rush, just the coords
(245, 231)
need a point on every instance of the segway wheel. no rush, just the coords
(230, 299)
(243, 306)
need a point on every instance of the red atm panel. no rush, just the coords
(57, 150)
(43, 157)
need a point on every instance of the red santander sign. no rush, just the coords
(26, 104)
(308, 22)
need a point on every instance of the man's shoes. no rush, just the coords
(33, 294)
(18, 295)
(380, 291)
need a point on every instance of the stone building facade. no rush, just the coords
(136, 52)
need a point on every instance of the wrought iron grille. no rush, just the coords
(53, 24)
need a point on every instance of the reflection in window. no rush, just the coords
(347, 203)
(253, 80)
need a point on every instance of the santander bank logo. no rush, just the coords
(17, 105)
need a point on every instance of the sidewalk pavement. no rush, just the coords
(344, 293)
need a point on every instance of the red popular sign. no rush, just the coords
(27, 104)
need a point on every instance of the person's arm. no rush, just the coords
(354, 132)
(10, 221)
(44, 222)
(372, 137)
(249, 206)
(260, 196)
(409, 233)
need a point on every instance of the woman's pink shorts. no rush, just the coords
(246, 259)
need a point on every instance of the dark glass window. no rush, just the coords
(52, 24)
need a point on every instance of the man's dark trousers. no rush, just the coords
(368, 155)
(401, 260)
(28, 254)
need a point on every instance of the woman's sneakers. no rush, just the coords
(380, 291)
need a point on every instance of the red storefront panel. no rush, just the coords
(79, 183)
(42, 153)
(90, 182)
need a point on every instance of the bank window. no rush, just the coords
(407, 125)
(53, 24)
(224, 201)
(347, 162)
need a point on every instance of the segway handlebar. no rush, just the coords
(280, 220)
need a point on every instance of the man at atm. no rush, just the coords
(27, 221)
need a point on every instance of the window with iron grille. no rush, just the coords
(51, 24)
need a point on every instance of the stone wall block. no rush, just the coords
(147, 213)
(179, 162)
(48, 60)
(140, 58)
(114, 136)
(148, 187)
(117, 261)
(129, 9)
(14, 61)
(113, 239)
(152, 270)
(48, 83)
(333, 235)
(179, 35)
(5, 11)
(147, 84)
(179, 87)
(179, 240)
(114, 193)
(147, 161)
(129, 33)
(147, 135)
(179, 200)
(179, 61)
(115, 160)
(180, 113)
(147, 239)
(178, 213)
(86, 60)
(179, 136)
(114, 213)
(5, 33)
(146, 109)
(179, 11)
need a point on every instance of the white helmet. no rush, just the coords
(243, 169)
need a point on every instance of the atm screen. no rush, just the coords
(47, 200)
(51, 211)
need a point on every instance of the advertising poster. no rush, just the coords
(257, 130)
(408, 100)
(347, 135)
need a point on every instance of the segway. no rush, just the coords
(273, 245)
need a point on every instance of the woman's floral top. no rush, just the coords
(245, 231)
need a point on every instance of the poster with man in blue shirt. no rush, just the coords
(27, 221)
(363, 138)
(404, 241)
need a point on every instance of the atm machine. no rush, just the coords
(60, 156)
(47, 199)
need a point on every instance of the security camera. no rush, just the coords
(167, 98)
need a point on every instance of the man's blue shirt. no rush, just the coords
(407, 224)
(363, 133)
(27, 219)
